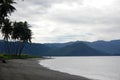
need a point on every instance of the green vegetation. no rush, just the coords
(13, 30)
(22, 33)
(23, 56)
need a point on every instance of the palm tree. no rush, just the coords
(7, 29)
(22, 33)
(6, 9)
(6, 32)
(27, 34)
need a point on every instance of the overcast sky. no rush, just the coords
(70, 20)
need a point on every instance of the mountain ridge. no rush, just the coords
(76, 48)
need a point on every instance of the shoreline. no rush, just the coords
(30, 69)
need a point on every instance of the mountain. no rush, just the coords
(1, 46)
(111, 47)
(76, 49)
(36, 49)
(58, 45)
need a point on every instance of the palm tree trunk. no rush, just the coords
(17, 46)
(21, 48)
(6, 47)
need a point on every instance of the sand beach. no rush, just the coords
(29, 69)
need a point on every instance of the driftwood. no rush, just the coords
(3, 60)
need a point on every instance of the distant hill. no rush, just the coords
(58, 45)
(36, 49)
(32, 49)
(111, 47)
(77, 48)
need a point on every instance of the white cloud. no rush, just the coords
(69, 20)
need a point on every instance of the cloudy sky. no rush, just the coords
(70, 20)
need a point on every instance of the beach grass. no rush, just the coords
(22, 56)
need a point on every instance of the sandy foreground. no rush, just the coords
(29, 69)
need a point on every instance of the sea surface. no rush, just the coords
(96, 68)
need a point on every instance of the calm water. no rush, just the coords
(98, 68)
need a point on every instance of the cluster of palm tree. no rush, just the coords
(22, 33)
(17, 31)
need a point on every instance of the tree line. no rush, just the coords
(16, 31)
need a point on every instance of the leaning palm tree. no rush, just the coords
(7, 29)
(22, 33)
(6, 32)
(6, 8)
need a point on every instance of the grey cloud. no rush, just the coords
(48, 3)
(87, 17)
(70, 22)
(28, 8)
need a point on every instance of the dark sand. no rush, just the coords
(29, 69)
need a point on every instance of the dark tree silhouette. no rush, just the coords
(6, 32)
(7, 29)
(19, 31)
(22, 33)
(6, 8)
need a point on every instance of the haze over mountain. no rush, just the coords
(77, 48)
(111, 47)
